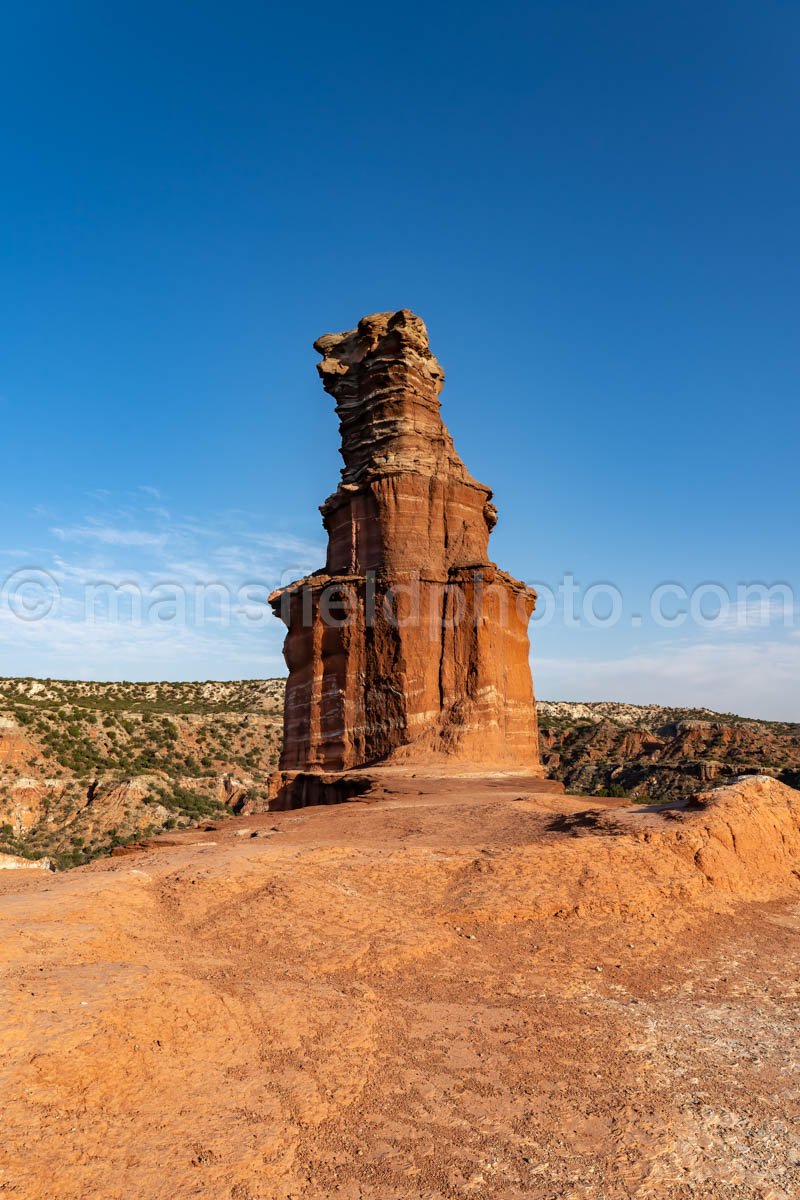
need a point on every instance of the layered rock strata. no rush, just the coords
(411, 645)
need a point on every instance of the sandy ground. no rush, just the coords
(444, 992)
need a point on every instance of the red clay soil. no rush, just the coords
(437, 991)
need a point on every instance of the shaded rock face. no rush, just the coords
(410, 646)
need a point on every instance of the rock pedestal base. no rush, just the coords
(299, 789)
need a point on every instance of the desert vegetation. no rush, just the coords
(88, 767)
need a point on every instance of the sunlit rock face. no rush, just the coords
(410, 646)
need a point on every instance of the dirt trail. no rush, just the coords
(435, 992)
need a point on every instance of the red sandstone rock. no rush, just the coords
(411, 645)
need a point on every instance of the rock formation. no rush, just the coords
(410, 646)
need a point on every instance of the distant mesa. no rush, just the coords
(411, 646)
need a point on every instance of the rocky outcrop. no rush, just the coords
(15, 862)
(411, 645)
(25, 802)
(128, 804)
(244, 796)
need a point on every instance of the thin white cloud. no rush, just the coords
(115, 575)
(287, 542)
(67, 645)
(761, 608)
(108, 535)
(756, 679)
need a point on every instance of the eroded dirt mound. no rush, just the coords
(743, 839)
(440, 990)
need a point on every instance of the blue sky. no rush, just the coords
(593, 206)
